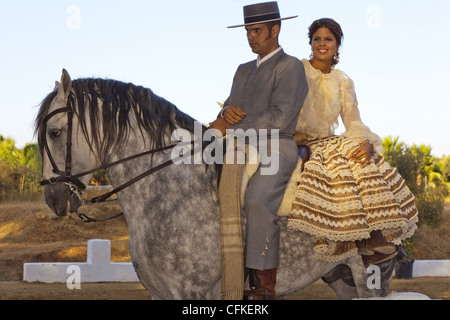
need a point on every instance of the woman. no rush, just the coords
(348, 197)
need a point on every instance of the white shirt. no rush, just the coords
(259, 61)
(332, 95)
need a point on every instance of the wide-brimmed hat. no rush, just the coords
(261, 13)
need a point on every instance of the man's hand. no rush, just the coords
(234, 115)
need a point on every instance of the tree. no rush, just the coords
(9, 153)
(429, 168)
(32, 163)
(20, 167)
(100, 178)
(407, 161)
(416, 165)
(444, 166)
(392, 144)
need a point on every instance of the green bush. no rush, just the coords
(415, 165)
(408, 165)
(430, 205)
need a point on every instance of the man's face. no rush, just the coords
(261, 40)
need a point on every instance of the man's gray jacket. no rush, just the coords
(271, 95)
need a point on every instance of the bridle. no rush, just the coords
(63, 176)
(75, 185)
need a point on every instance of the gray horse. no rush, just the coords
(173, 213)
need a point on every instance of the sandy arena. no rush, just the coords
(29, 232)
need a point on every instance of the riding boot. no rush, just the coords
(265, 286)
(375, 244)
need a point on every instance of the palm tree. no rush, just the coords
(444, 166)
(8, 152)
(431, 171)
(392, 144)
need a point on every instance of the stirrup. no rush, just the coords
(257, 295)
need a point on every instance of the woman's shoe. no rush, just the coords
(375, 244)
(377, 258)
(363, 248)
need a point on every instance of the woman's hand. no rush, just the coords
(363, 154)
(220, 124)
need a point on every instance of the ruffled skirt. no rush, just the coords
(339, 202)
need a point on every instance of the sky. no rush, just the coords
(397, 52)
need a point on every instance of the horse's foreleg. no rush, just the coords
(340, 279)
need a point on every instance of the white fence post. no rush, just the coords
(98, 267)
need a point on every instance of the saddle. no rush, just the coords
(234, 178)
(289, 195)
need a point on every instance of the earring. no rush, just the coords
(336, 58)
(311, 55)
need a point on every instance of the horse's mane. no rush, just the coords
(153, 114)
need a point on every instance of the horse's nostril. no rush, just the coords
(61, 213)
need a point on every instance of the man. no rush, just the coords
(267, 93)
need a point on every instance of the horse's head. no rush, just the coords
(89, 122)
(63, 149)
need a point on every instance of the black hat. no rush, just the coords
(261, 13)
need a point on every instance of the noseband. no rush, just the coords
(75, 185)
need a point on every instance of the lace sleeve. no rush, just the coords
(351, 117)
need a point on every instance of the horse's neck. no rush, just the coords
(174, 183)
(129, 169)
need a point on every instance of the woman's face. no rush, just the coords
(324, 45)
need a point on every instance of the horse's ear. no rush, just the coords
(66, 85)
(57, 85)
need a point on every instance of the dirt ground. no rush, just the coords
(434, 288)
(30, 232)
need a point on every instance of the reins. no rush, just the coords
(104, 197)
(87, 219)
(76, 186)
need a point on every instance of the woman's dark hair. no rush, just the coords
(331, 25)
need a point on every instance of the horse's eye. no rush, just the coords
(55, 133)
